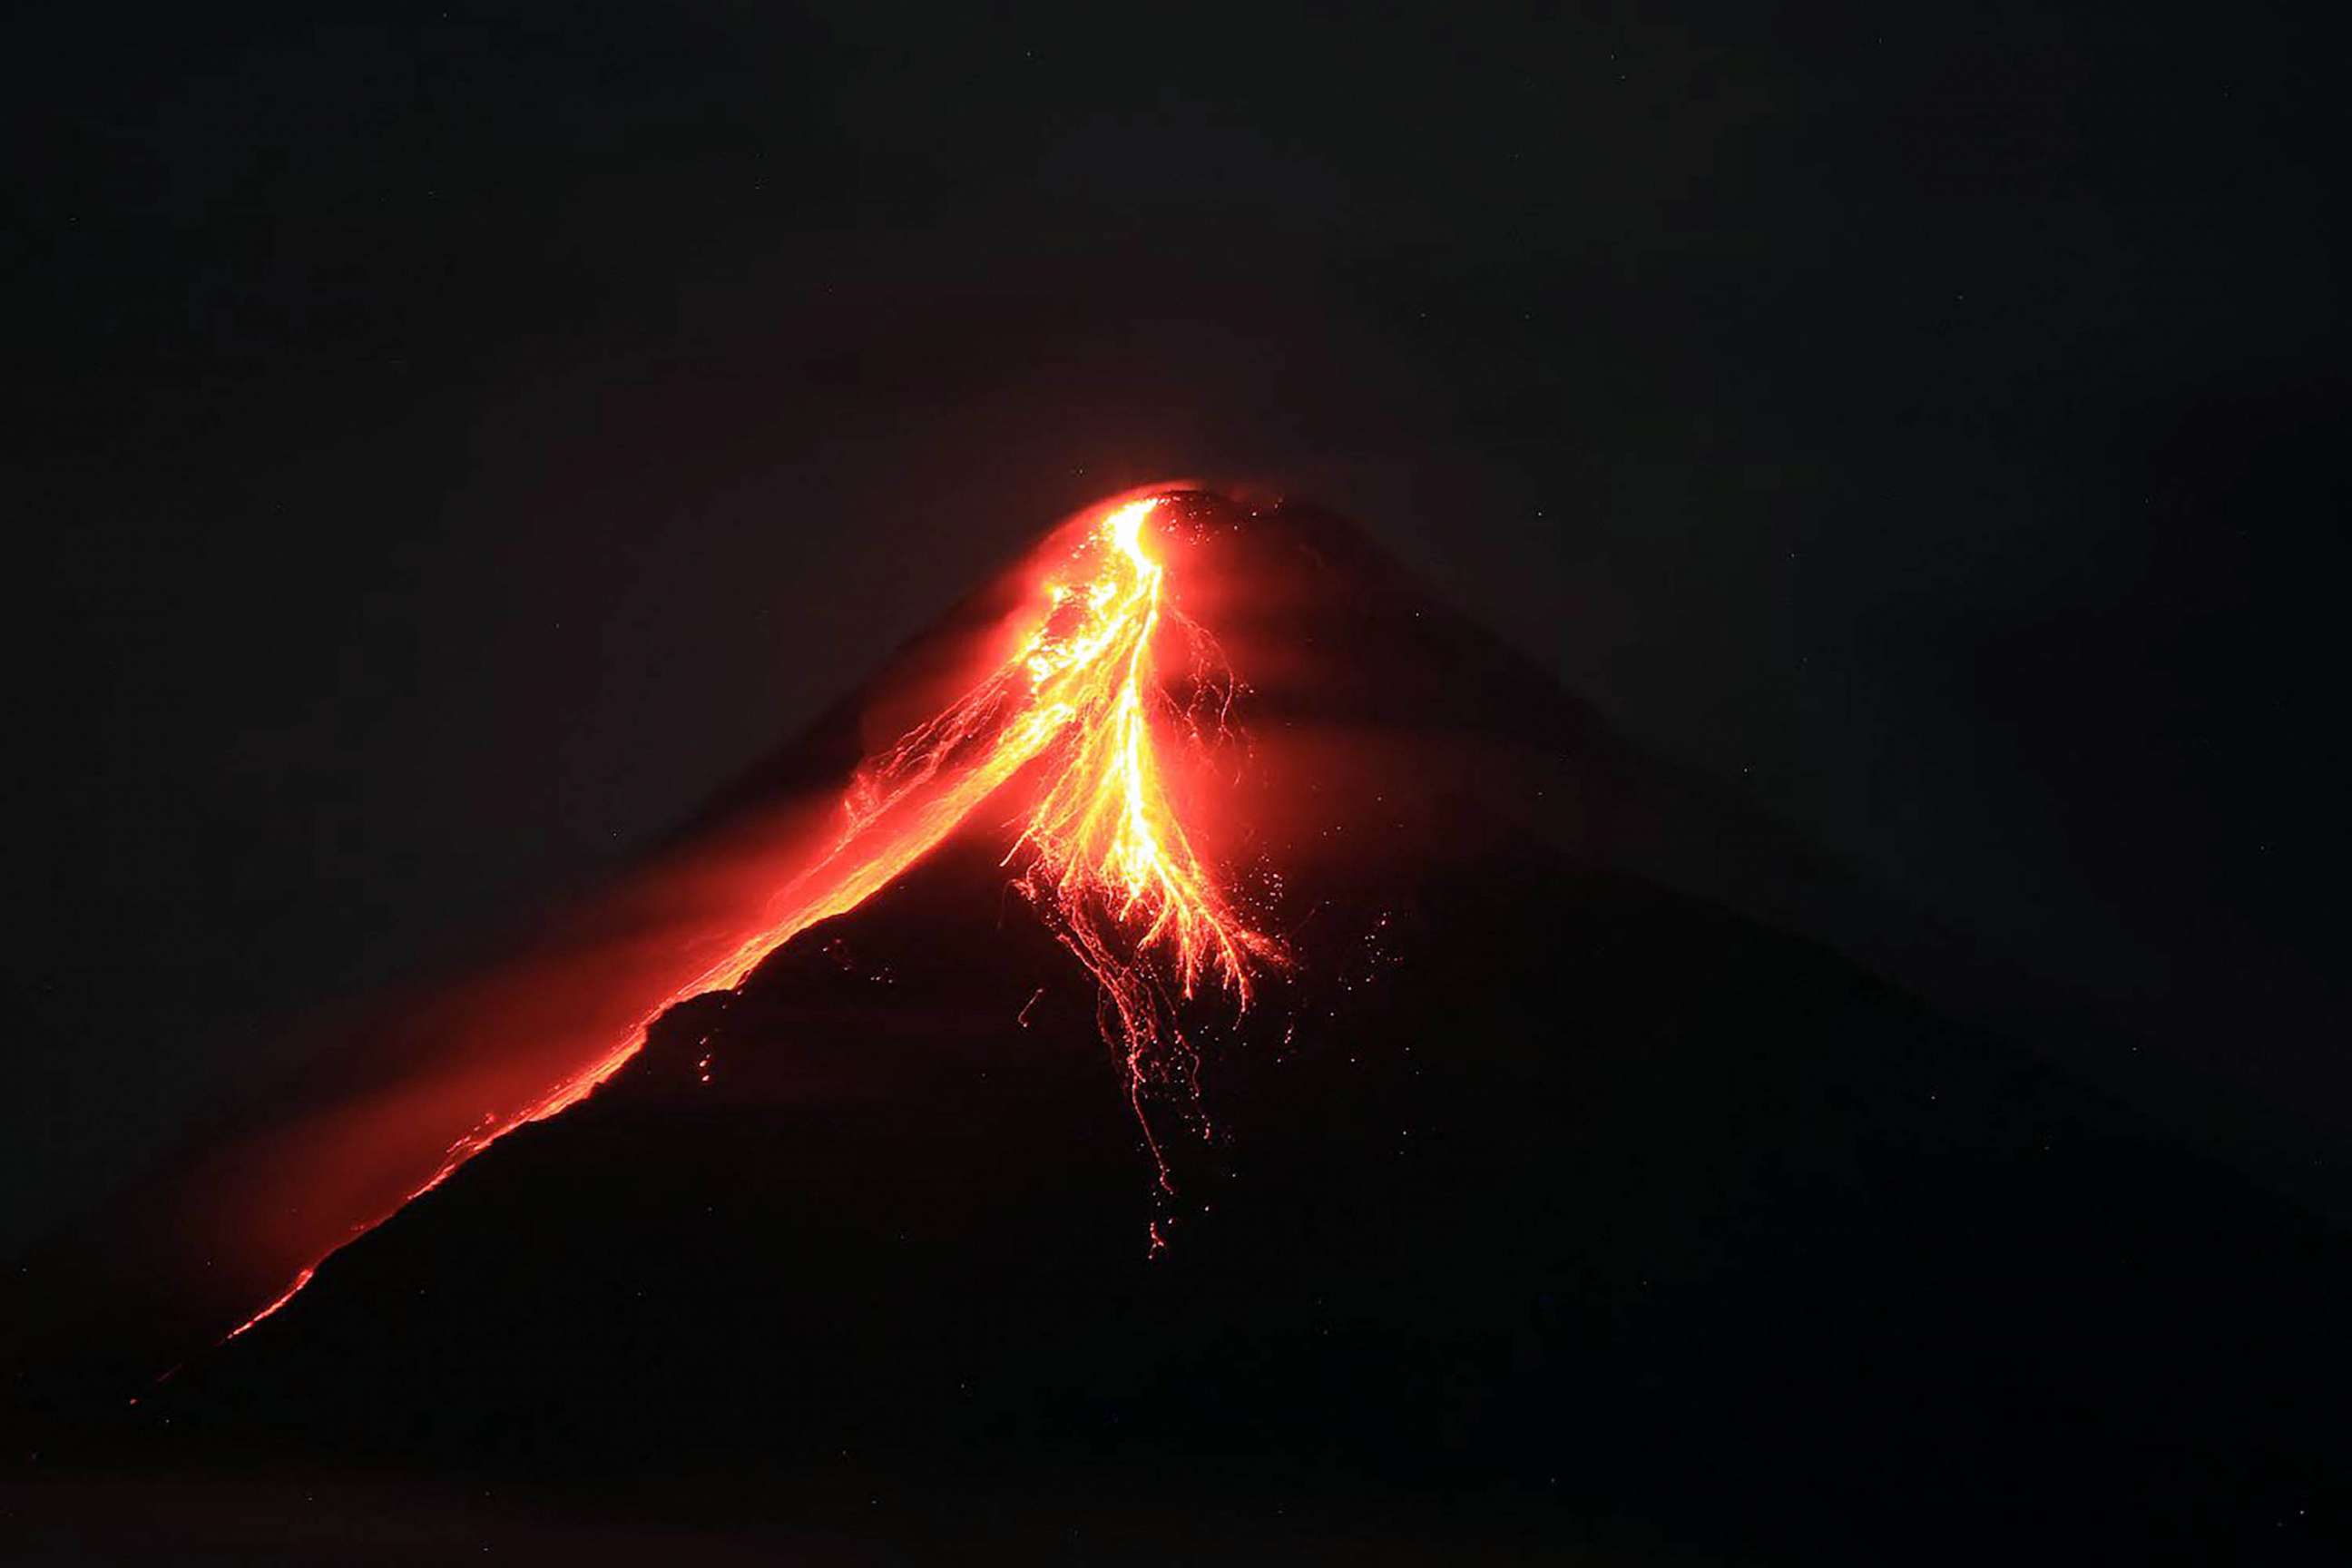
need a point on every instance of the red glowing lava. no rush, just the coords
(1106, 859)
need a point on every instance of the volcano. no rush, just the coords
(1379, 1111)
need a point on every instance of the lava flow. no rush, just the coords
(1106, 859)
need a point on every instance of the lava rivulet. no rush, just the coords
(1104, 855)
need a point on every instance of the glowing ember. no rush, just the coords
(1108, 864)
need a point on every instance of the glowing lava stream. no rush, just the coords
(1110, 866)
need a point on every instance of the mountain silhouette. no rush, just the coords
(1564, 1191)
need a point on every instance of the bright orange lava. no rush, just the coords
(1108, 864)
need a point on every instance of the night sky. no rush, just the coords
(446, 445)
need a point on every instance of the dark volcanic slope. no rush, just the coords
(1543, 1206)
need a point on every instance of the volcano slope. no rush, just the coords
(1550, 1197)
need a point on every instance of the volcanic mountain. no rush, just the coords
(1538, 1179)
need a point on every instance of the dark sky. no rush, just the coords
(445, 444)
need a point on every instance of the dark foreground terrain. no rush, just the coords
(1552, 1205)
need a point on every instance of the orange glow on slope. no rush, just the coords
(1113, 869)
(1109, 865)
(272, 1309)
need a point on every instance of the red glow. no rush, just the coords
(272, 1309)
(1106, 861)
